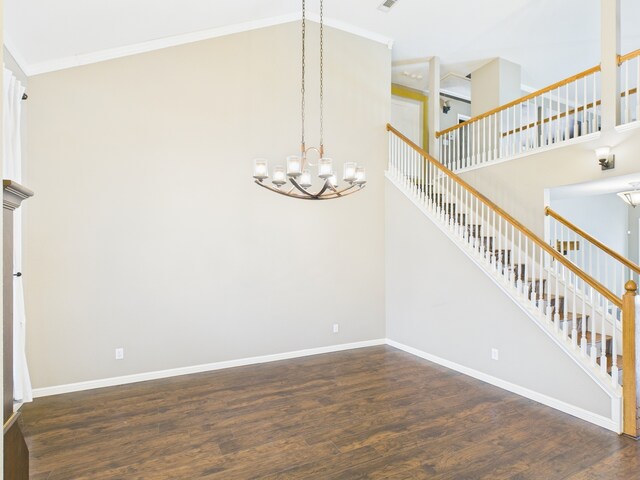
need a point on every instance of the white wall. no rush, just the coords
(147, 232)
(494, 84)
(439, 302)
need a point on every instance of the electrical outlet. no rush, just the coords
(336, 328)
(119, 353)
(495, 354)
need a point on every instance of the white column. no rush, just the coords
(609, 50)
(433, 106)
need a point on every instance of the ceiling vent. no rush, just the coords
(386, 6)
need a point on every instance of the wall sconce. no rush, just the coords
(632, 197)
(606, 159)
(446, 106)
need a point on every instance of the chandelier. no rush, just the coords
(297, 171)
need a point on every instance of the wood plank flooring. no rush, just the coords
(372, 413)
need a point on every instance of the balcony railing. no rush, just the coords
(558, 113)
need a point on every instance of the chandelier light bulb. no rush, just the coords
(333, 181)
(279, 177)
(294, 166)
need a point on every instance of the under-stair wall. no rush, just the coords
(442, 306)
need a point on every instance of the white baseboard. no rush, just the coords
(605, 422)
(174, 372)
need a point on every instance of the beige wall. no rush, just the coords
(494, 84)
(147, 232)
(519, 185)
(439, 302)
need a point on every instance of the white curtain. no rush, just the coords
(12, 170)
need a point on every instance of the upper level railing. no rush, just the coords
(560, 112)
(604, 264)
(629, 65)
(573, 305)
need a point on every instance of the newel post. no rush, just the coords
(629, 373)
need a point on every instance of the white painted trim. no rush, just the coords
(534, 151)
(119, 52)
(209, 367)
(22, 63)
(627, 126)
(602, 380)
(612, 424)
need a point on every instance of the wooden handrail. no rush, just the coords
(626, 262)
(559, 84)
(604, 291)
(629, 378)
(551, 119)
(628, 56)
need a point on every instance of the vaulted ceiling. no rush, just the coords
(551, 39)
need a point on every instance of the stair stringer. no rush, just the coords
(601, 380)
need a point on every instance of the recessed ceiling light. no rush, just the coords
(386, 6)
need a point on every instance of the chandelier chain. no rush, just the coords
(304, 31)
(321, 77)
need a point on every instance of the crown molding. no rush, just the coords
(19, 59)
(63, 63)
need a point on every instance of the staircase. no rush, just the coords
(580, 314)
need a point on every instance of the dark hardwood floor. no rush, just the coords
(373, 413)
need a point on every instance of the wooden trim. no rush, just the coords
(626, 262)
(406, 92)
(629, 397)
(604, 291)
(628, 56)
(522, 99)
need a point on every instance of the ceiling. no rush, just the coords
(551, 39)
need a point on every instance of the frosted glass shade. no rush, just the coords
(325, 168)
(349, 172)
(294, 166)
(361, 176)
(260, 169)
(305, 179)
(632, 197)
(279, 177)
(333, 181)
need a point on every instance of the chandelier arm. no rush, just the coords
(329, 196)
(296, 185)
(324, 187)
